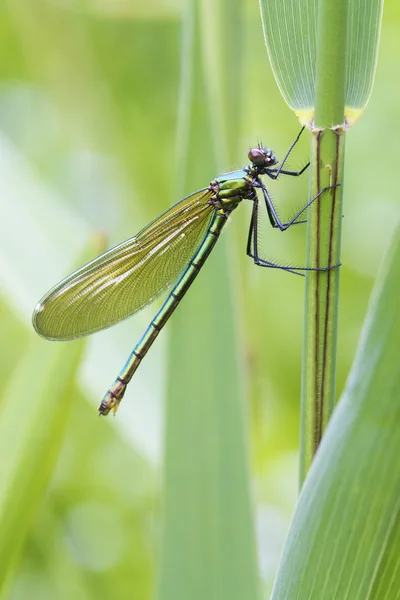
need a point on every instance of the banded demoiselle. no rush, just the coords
(172, 248)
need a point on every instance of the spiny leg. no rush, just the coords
(253, 233)
(250, 234)
(253, 236)
(274, 173)
(270, 217)
(271, 208)
(271, 211)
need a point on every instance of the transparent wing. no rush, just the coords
(125, 279)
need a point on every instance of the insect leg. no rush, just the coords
(271, 209)
(253, 236)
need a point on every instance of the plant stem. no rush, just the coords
(324, 231)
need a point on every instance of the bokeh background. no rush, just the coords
(89, 99)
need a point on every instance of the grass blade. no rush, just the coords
(290, 31)
(365, 18)
(344, 541)
(34, 417)
(208, 546)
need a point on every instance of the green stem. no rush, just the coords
(324, 231)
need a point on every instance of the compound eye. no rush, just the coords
(257, 157)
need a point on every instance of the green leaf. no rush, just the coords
(290, 30)
(208, 546)
(344, 542)
(34, 416)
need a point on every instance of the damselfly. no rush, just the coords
(172, 248)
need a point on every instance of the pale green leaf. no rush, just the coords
(34, 416)
(290, 30)
(344, 543)
(208, 546)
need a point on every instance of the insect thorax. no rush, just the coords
(231, 188)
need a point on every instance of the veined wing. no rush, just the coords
(125, 279)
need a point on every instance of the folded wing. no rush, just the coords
(125, 279)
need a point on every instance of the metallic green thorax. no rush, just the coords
(232, 188)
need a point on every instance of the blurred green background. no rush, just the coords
(89, 100)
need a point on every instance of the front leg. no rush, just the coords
(274, 173)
